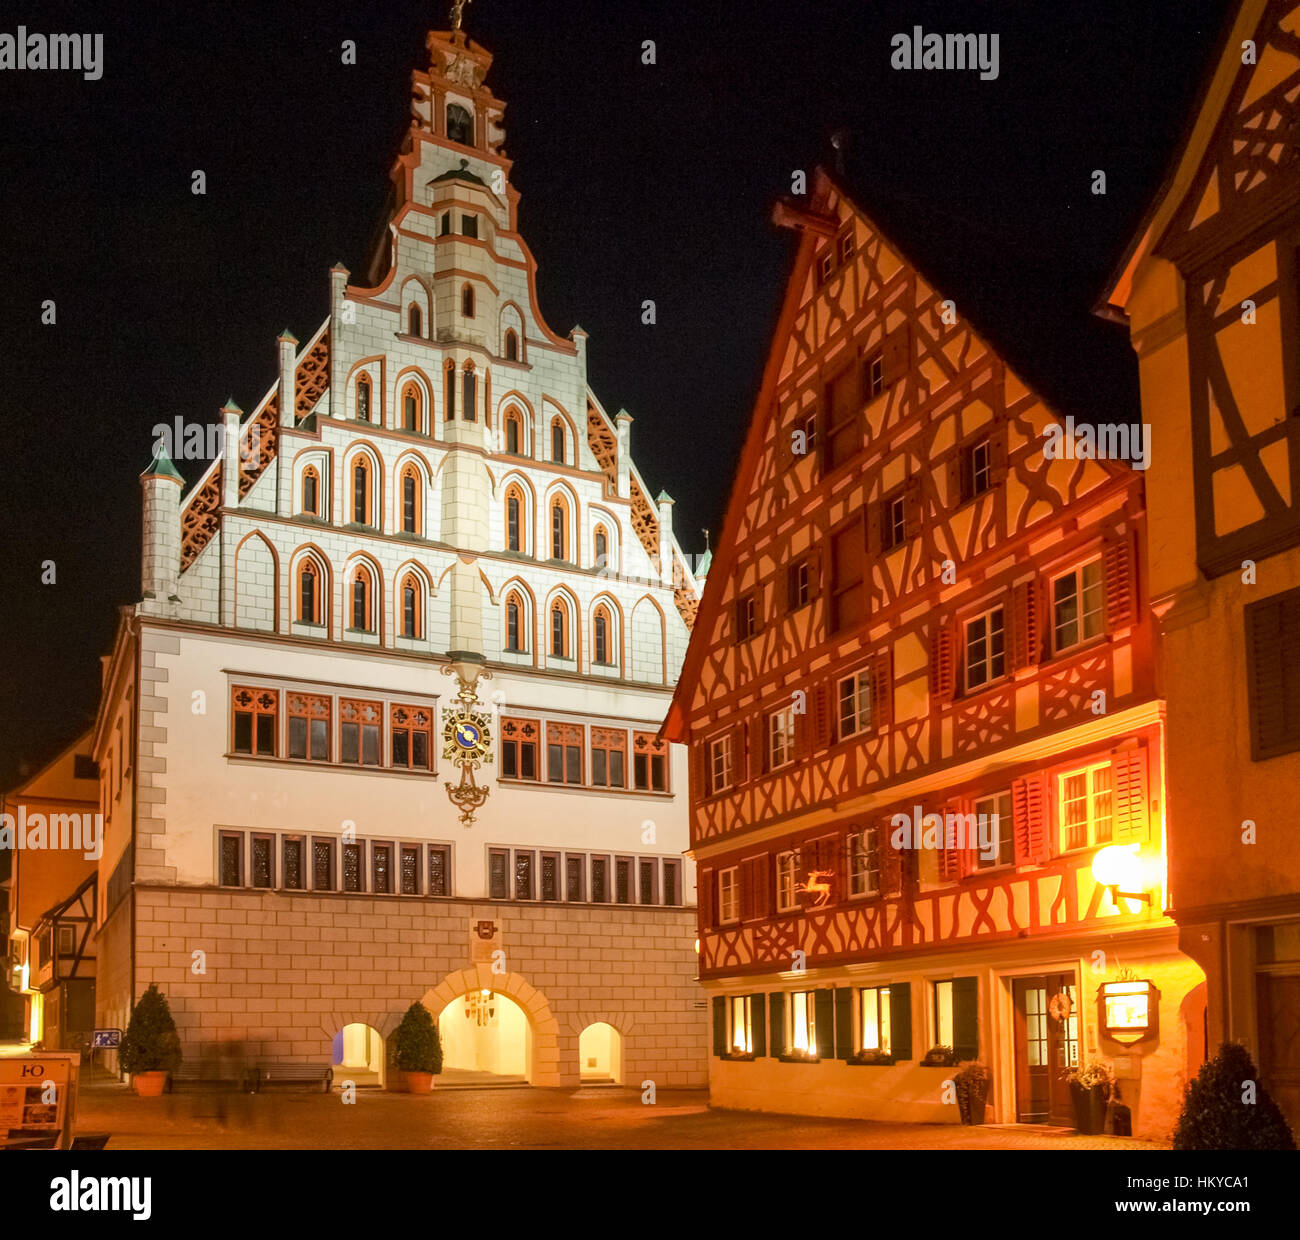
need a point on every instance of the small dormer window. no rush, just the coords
(460, 125)
(469, 225)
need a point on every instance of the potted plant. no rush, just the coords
(877, 1057)
(939, 1057)
(971, 1082)
(1216, 1114)
(1090, 1090)
(417, 1049)
(150, 1047)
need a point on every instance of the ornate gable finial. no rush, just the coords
(457, 13)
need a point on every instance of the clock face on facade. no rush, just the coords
(467, 736)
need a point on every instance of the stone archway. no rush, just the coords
(546, 1029)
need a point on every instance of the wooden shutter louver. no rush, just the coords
(745, 875)
(1121, 588)
(824, 1019)
(1273, 674)
(1026, 631)
(900, 1020)
(776, 1024)
(758, 1025)
(913, 509)
(1132, 814)
(897, 354)
(705, 898)
(965, 1018)
(891, 863)
(998, 454)
(843, 1022)
(821, 716)
(762, 877)
(719, 1026)
(943, 663)
(952, 859)
(1029, 807)
(956, 489)
(882, 691)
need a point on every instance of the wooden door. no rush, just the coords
(1278, 996)
(1046, 1044)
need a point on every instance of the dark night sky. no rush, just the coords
(638, 182)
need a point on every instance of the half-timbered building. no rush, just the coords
(430, 485)
(1210, 288)
(926, 740)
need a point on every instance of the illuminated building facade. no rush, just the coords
(916, 616)
(1211, 292)
(430, 474)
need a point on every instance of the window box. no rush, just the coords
(872, 1059)
(939, 1057)
(799, 1057)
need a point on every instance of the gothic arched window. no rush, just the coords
(411, 500)
(411, 616)
(460, 125)
(449, 404)
(309, 593)
(363, 398)
(512, 346)
(559, 543)
(311, 491)
(469, 405)
(514, 623)
(514, 520)
(602, 547)
(559, 629)
(467, 302)
(601, 629)
(411, 408)
(361, 492)
(514, 432)
(557, 441)
(362, 598)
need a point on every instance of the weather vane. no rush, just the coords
(457, 13)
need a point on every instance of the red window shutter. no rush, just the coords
(952, 857)
(1132, 817)
(745, 874)
(762, 882)
(943, 670)
(882, 691)
(705, 899)
(821, 716)
(1121, 587)
(897, 359)
(955, 490)
(1029, 806)
(739, 756)
(913, 509)
(998, 454)
(891, 862)
(814, 573)
(875, 516)
(1026, 631)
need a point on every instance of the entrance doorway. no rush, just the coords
(359, 1056)
(1047, 1043)
(486, 1040)
(600, 1054)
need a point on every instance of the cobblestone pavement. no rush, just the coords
(525, 1119)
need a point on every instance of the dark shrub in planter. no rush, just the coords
(1090, 1090)
(417, 1048)
(1215, 1115)
(150, 1047)
(972, 1085)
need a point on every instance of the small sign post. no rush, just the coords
(38, 1094)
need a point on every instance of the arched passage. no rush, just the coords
(486, 1036)
(358, 1055)
(543, 1059)
(600, 1055)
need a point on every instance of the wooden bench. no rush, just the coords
(210, 1073)
(293, 1074)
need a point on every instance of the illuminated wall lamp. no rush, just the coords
(1117, 868)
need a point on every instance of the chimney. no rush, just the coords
(623, 423)
(232, 414)
(665, 502)
(288, 345)
(160, 560)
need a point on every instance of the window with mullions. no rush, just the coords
(729, 895)
(600, 880)
(498, 874)
(292, 863)
(873, 376)
(574, 873)
(322, 865)
(979, 467)
(412, 733)
(439, 870)
(893, 528)
(381, 869)
(523, 876)
(864, 862)
(409, 869)
(549, 875)
(797, 585)
(672, 885)
(608, 758)
(519, 739)
(985, 653)
(873, 1019)
(855, 704)
(352, 868)
(255, 715)
(1086, 807)
(801, 1022)
(622, 880)
(262, 862)
(563, 753)
(649, 763)
(787, 863)
(1078, 605)
(994, 817)
(740, 1024)
(309, 726)
(230, 848)
(780, 738)
(720, 764)
(647, 881)
(360, 725)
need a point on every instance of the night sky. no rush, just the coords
(638, 183)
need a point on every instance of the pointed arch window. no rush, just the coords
(560, 629)
(512, 345)
(411, 507)
(460, 124)
(515, 624)
(602, 548)
(467, 302)
(363, 398)
(469, 405)
(514, 432)
(414, 321)
(310, 595)
(363, 597)
(557, 441)
(449, 405)
(514, 520)
(412, 612)
(601, 630)
(311, 491)
(559, 521)
(361, 492)
(412, 408)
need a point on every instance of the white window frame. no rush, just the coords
(989, 805)
(876, 1000)
(807, 1000)
(980, 468)
(992, 674)
(861, 680)
(780, 738)
(740, 1022)
(787, 866)
(942, 1011)
(864, 879)
(894, 533)
(1091, 793)
(729, 895)
(720, 764)
(1096, 616)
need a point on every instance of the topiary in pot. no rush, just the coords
(150, 1047)
(1227, 1108)
(417, 1049)
(971, 1083)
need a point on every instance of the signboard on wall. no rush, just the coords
(106, 1039)
(484, 939)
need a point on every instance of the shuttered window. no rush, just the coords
(843, 430)
(848, 577)
(1273, 674)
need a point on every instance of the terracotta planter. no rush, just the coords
(149, 1084)
(418, 1082)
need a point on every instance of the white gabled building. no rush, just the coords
(430, 474)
